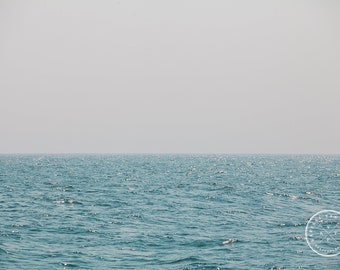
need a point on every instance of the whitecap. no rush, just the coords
(229, 241)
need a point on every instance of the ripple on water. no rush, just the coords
(162, 211)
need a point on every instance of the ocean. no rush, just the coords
(164, 211)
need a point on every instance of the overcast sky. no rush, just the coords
(170, 76)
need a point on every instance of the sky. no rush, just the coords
(179, 76)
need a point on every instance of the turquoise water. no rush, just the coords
(163, 211)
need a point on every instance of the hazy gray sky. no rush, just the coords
(170, 76)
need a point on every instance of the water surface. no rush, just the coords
(163, 211)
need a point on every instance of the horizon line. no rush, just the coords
(163, 153)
